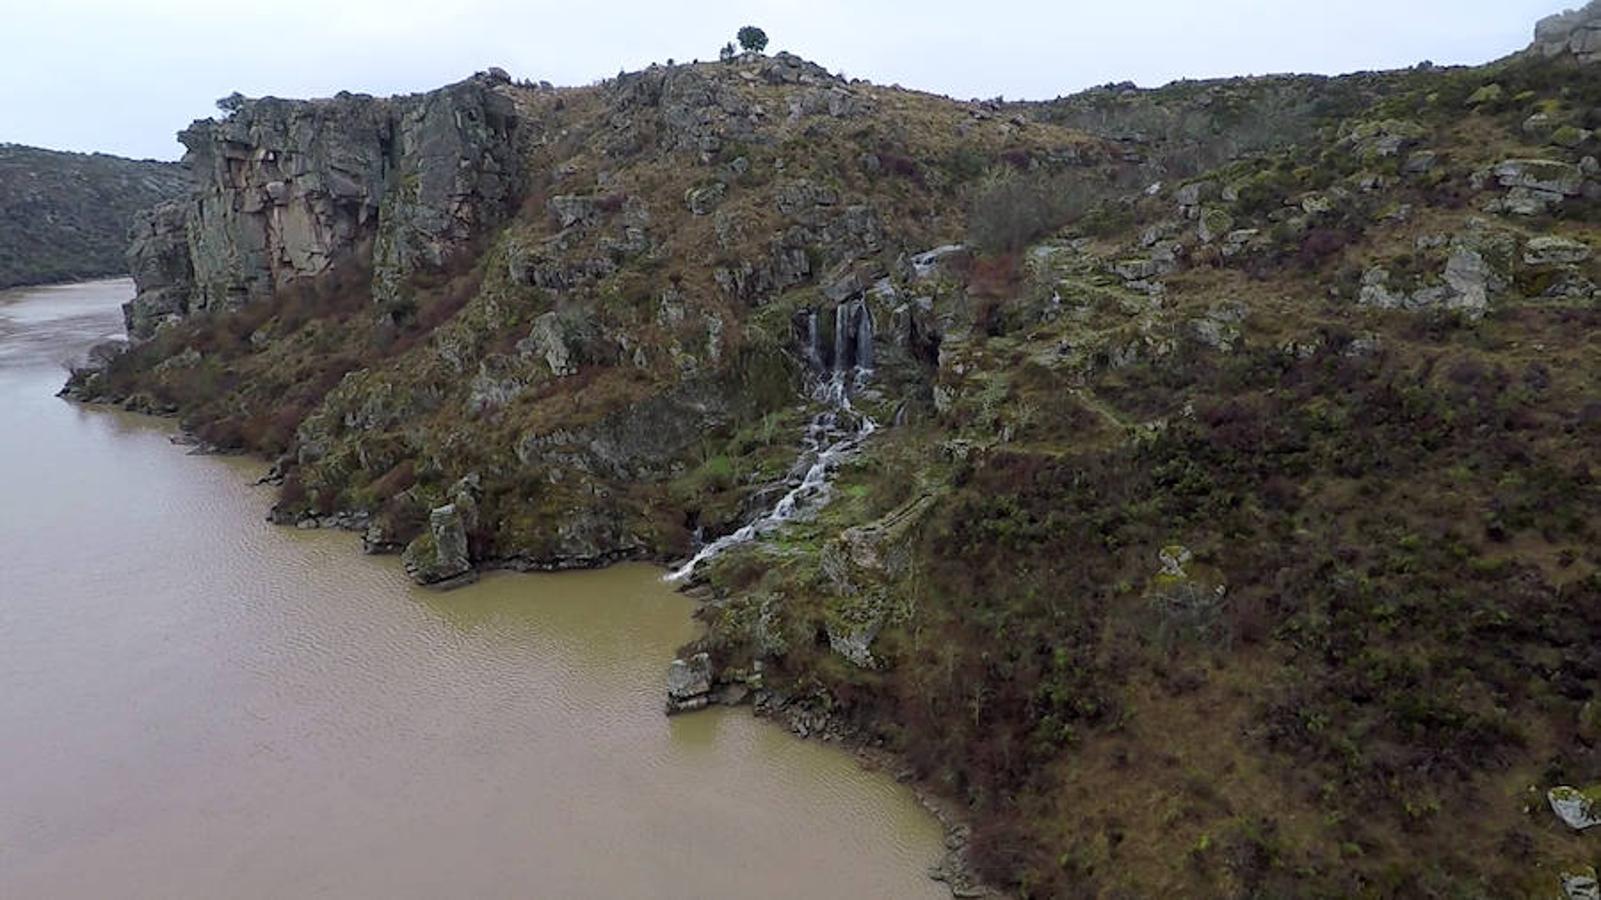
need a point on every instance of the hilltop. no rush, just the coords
(65, 216)
(1193, 486)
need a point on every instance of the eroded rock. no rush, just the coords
(285, 190)
(689, 683)
(439, 556)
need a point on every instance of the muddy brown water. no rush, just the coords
(195, 703)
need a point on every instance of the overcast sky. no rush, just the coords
(122, 76)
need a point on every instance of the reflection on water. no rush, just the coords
(198, 703)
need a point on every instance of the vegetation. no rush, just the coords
(65, 216)
(1185, 565)
(752, 39)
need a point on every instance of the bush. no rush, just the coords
(1011, 209)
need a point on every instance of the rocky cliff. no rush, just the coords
(1205, 511)
(1575, 33)
(284, 191)
(65, 216)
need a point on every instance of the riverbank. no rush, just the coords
(216, 705)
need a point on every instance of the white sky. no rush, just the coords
(122, 76)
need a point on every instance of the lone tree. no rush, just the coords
(752, 38)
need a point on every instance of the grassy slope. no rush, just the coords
(1401, 508)
(66, 215)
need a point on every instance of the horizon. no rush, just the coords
(136, 82)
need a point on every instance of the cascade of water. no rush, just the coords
(834, 434)
(814, 345)
(842, 337)
(864, 338)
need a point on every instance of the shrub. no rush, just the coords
(1011, 209)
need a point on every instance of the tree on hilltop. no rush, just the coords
(727, 53)
(753, 39)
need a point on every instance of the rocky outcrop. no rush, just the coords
(1536, 186)
(284, 190)
(158, 257)
(439, 556)
(455, 174)
(1554, 250)
(689, 683)
(1577, 809)
(1575, 33)
(1476, 273)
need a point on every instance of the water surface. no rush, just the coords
(195, 703)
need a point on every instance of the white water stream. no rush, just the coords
(834, 434)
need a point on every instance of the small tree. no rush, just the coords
(727, 53)
(753, 39)
(232, 102)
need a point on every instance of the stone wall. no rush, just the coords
(285, 189)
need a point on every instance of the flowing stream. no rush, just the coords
(197, 703)
(832, 437)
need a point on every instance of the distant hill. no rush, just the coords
(66, 215)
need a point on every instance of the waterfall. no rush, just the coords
(814, 347)
(864, 338)
(842, 337)
(833, 436)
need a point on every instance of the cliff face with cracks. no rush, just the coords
(284, 190)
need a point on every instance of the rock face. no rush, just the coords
(1576, 32)
(439, 556)
(158, 257)
(287, 189)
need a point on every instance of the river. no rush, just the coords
(195, 703)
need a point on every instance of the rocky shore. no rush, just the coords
(692, 684)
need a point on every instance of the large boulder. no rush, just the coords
(1548, 175)
(1552, 250)
(863, 569)
(1536, 185)
(1577, 809)
(689, 683)
(1581, 884)
(439, 556)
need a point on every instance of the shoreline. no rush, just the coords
(67, 282)
(950, 869)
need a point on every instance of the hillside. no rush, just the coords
(1193, 486)
(66, 216)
